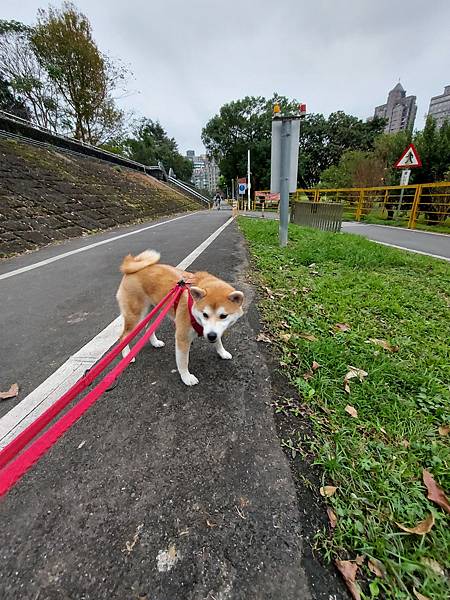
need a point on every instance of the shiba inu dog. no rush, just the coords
(207, 308)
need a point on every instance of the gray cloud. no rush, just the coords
(188, 58)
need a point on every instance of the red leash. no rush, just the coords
(19, 465)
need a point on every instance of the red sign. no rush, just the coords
(409, 159)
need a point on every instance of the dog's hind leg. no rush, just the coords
(132, 309)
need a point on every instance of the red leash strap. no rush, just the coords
(16, 468)
(24, 437)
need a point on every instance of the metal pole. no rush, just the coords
(248, 180)
(284, 181)
(232, 189)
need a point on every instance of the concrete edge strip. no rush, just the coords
(47, 261)
(411, 250)
(37, 401)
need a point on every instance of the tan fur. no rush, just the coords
(146, 282)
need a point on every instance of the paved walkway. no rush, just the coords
(422, 242)
(171, 492)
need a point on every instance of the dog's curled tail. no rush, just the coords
(133, 264)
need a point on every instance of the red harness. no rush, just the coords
(194, 323)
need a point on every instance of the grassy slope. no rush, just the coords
(386, 294)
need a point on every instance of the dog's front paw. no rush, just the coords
(189, 379)
(226, 355)
(158, 344)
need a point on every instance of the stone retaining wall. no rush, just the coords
(47, 194)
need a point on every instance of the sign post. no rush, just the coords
(408, 160)
(284, 161)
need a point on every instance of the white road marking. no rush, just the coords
(47, 261)
(411, 250)
(33, 405)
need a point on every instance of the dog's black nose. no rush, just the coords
(212, 337)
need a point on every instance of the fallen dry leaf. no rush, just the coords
(433, 565)
(268, 291)
(129, 545)
(11, 393)
(421, 528)
(351, 410)
(359, 560)
(348, 570)
(315, 366)
(172, 551)
(341, 327)
(420, 596)
(444, 430)
(211, 523)
(405, 444)
(332, 517)
(384, 344)
(328, 490)
(353, 372)
(262, 337)
(308, 375)
(435, 492)
(377, 567)
(285, 336)
(308, 336)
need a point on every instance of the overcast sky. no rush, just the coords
(190, 57)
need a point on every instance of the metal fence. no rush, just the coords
(326, 216)
(425, 206)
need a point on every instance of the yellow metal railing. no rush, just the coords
(422, 205)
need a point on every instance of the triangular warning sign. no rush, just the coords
(410, 158)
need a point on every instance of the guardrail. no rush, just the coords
(187, 189)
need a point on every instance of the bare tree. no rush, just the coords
(27, 77)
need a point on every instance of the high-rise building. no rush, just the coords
(440, 107)
(206, 172)
(400, 110)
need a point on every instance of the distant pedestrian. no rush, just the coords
(217, 201)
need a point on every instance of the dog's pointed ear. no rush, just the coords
(237, 297)
(197, 293)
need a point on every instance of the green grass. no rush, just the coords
(386, 294)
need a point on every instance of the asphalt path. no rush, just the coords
(160, 491)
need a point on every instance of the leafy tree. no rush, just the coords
(150, 144)
(323, 141)
(246, 123)
(355, 169)
(83, 76)
(241, 125)
(388, 148)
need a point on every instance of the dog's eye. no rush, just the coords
(205, 315)
(223, 316)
